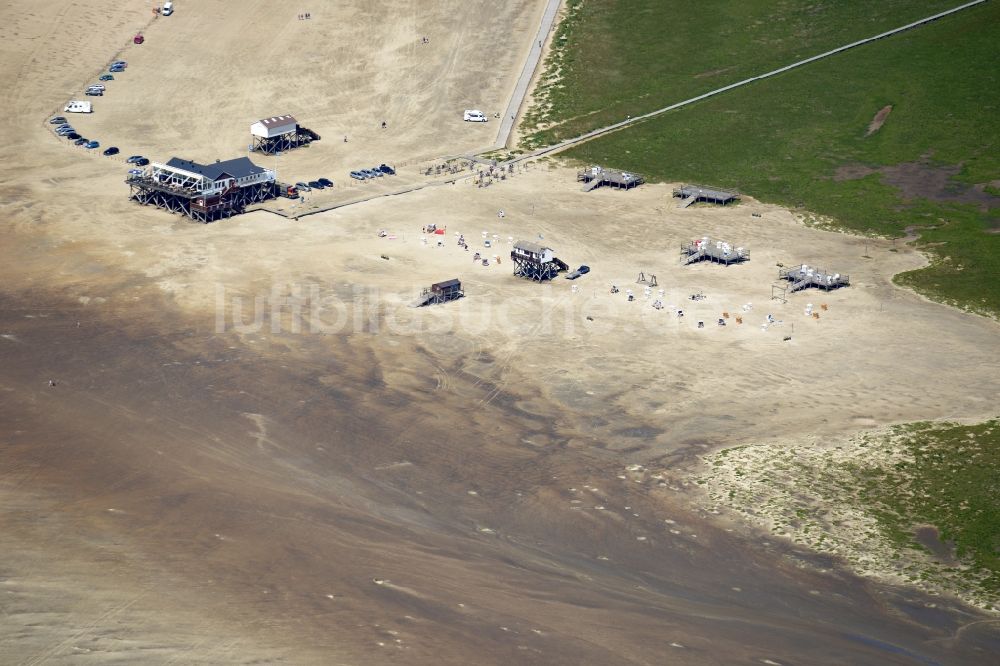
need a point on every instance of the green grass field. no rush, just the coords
(783, 140)
(615, 58)
(952, 481)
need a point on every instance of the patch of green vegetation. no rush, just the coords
(950, 478)
(965, 255)
(614, 58)
(502, 155)
(785, 139)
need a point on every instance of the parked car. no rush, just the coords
(316, 185)
(72, 136)
(63, 131)
(142, 162)
(106, 77)
(387, 170)
(302, 186)
(94, 92)
(57, 120)
(357, 175)
(81, 141)
(371, 173)
(135, 172)
(133, 159)
(90, 145)
(325, 182)
(582, 270)
(120, 63)
(96, 86)
(113, 150)
(474, 116)
(116, 69)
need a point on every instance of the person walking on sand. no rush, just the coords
(384, 125)
(345, 138)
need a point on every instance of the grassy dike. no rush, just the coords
(614, 58)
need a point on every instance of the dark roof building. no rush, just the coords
(241, 167)
(446, 286)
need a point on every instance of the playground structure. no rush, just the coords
(535, 262)
(279, 133)
(203, 192)
(706, 249)
(596, 176)
(692, 194)
(649, 281)
(440, 292)
(804, 276)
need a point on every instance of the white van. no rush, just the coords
(474, 116)
(168, 8)
(79, 107)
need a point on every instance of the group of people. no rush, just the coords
(303, 17)
(484, 177)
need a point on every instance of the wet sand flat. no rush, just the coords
(208, 505)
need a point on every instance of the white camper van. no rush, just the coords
(474, 116)
(168, 8)
(79, 107)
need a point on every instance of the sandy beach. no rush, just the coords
(256, 451)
